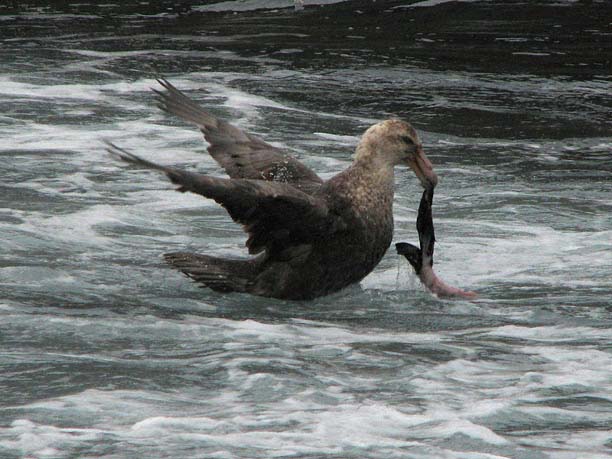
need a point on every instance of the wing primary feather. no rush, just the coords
(242, 155)
(122, 154)
(275, 214)
(187, 181)
(176, 102)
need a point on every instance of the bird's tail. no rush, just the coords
(219, 274)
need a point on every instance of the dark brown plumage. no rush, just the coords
(311, 237)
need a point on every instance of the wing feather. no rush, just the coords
(275, 215)
(241, 154)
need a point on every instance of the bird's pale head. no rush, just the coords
(394, 142)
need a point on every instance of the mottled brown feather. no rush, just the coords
(274, 214)
(241, 154)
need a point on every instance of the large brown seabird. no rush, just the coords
(311, 237)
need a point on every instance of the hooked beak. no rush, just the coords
(423, 169)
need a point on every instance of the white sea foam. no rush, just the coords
(470, 429)
(553, 333)
(59, 138)
(572, 366)
(37, 276)
(56, 92)
(164, 424)
(41, 441)
(318, 333)
(348, 140)
(250, 5)
(429, 3)
(78, 227)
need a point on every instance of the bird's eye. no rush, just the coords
(407, 140)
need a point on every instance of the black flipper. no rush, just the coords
(417, 257)
(425, 227)
(412, 254)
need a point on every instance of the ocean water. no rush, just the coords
(107, 352)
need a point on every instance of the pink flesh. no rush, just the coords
(439, 288)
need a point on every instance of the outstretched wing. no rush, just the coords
(276, 215)
(241, 154)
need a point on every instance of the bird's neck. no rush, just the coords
(374, 169)
(368, 185)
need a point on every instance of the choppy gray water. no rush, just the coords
(106, 352)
